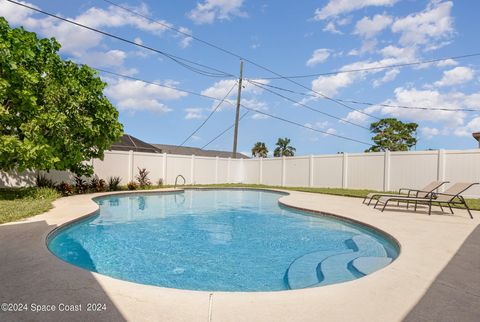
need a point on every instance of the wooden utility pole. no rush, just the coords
(237, 112)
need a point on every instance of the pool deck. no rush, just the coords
(435, 278)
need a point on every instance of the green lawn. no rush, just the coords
(357, 193)
(21, 203)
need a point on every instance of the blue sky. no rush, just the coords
(290, 38)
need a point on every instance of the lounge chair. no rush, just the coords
(450, 197)
(405, 192)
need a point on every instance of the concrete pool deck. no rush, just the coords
(436, 277)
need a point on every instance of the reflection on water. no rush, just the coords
(204, 240)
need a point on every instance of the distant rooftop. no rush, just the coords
(128, 142)
(185, 150)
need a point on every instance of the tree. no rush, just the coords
(392, 135)
(283, 148)
(53, 113)
(260, 150)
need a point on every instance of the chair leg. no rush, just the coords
(416, 203)
(364, 199)
(429, 208)
(376, 204)
(466, 206)
(386, 202)
(451, 210)
(441, 207)
(370, 201)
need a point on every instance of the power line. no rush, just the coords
(224, 131)
(235, 55)
(307, 106)
(179, 60)
(304, 126)
(370, 103)
(209, 116)
(245, 107)
(421, 62)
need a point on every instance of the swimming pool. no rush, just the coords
(220, 240)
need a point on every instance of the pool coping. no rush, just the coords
(134, 300)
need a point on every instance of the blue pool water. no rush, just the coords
(219, 240)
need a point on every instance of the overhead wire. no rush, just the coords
(308, 107)
(370, 103)
(242, 105)
(224, 131)
(179, 60)
(233, 54)
(209, 116)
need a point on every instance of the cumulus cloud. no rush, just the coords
(387, 77)
(427, 27)
(80, 43)
(472, 126)
(429, 132)
(455, 76)
(210, 10)
(335, 8)
(368, 28)
(133, 95)
(319, 56)
(194, 113)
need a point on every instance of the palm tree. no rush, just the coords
(283, 148)
(260, 150)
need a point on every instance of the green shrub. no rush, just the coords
(113, 183)
(65, 189)
(81, 186)
(42, 181)
(142, 178)
(132, 185)
(160, 182)
(97, 185)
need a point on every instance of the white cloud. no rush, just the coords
(194, 113)
(368, 28)
(426, 27)
(448, 62)
(111, 58)
(472, 126)
(335, 8)
(319, 56)
(136, 96)
(455, 76)
(210, 10)
(220, 89)
(448, 121)
(429, 132)
(330, 27)
(184, 40)
(388, 77)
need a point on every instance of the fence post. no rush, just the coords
(229, 178)
(386, 171)
(192, 169)
(283, 171)
(441, 168)
(260, 171)
(310, 178)
(164, 168)
(130, 165)
(345, 171)
(216, 169)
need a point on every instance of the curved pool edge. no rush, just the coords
(284, 194)
(425, 252)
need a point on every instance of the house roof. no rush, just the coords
(185, 150)
(128, 142)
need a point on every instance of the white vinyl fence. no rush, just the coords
(378, 171)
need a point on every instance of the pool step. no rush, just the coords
(302, 272)
(336, 268)
(367, 265)
(328, 267)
